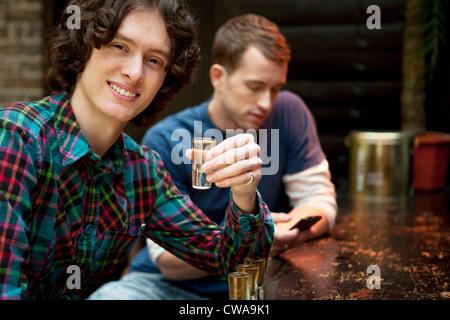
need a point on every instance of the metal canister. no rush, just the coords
(380, 164)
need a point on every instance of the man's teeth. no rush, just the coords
(122, 91)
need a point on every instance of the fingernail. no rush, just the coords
(206, 167)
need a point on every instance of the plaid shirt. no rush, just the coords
(61, 205)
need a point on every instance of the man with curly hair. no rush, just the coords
(76, 192)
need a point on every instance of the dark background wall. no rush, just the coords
(349, 76)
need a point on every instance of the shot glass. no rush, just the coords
(238, 283)
(253, 270)
(261, 263)
(200, 147)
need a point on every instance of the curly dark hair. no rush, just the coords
(68, 50)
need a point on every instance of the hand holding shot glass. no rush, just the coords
(232, 163)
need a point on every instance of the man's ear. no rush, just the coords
(217, 74)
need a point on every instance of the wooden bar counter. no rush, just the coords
(407, 242)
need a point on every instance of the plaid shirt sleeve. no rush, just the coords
(16, 183)
(180, 227)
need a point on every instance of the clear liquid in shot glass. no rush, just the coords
(200, 147)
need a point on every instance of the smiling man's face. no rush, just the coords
(122, 78)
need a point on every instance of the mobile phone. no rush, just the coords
(307, 222)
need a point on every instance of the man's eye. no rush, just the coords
(254, 88)
(276, 90)
(119, 47)
(154, 61)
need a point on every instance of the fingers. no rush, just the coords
(231, 151)
(190, 154)
(284, 240)
(232, 143)
(229, 176)
(232, 174)
(280, 217)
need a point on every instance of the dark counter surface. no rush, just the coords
(408, 241)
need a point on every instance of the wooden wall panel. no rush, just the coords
(349, 75)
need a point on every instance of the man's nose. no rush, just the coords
(134, 68)
(265, 100)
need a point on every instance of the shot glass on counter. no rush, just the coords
(239, 285)
(254, 271)
(261, 263)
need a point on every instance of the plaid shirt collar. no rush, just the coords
(73, 145)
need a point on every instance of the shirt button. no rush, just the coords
(245, 224)
(88, 229)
